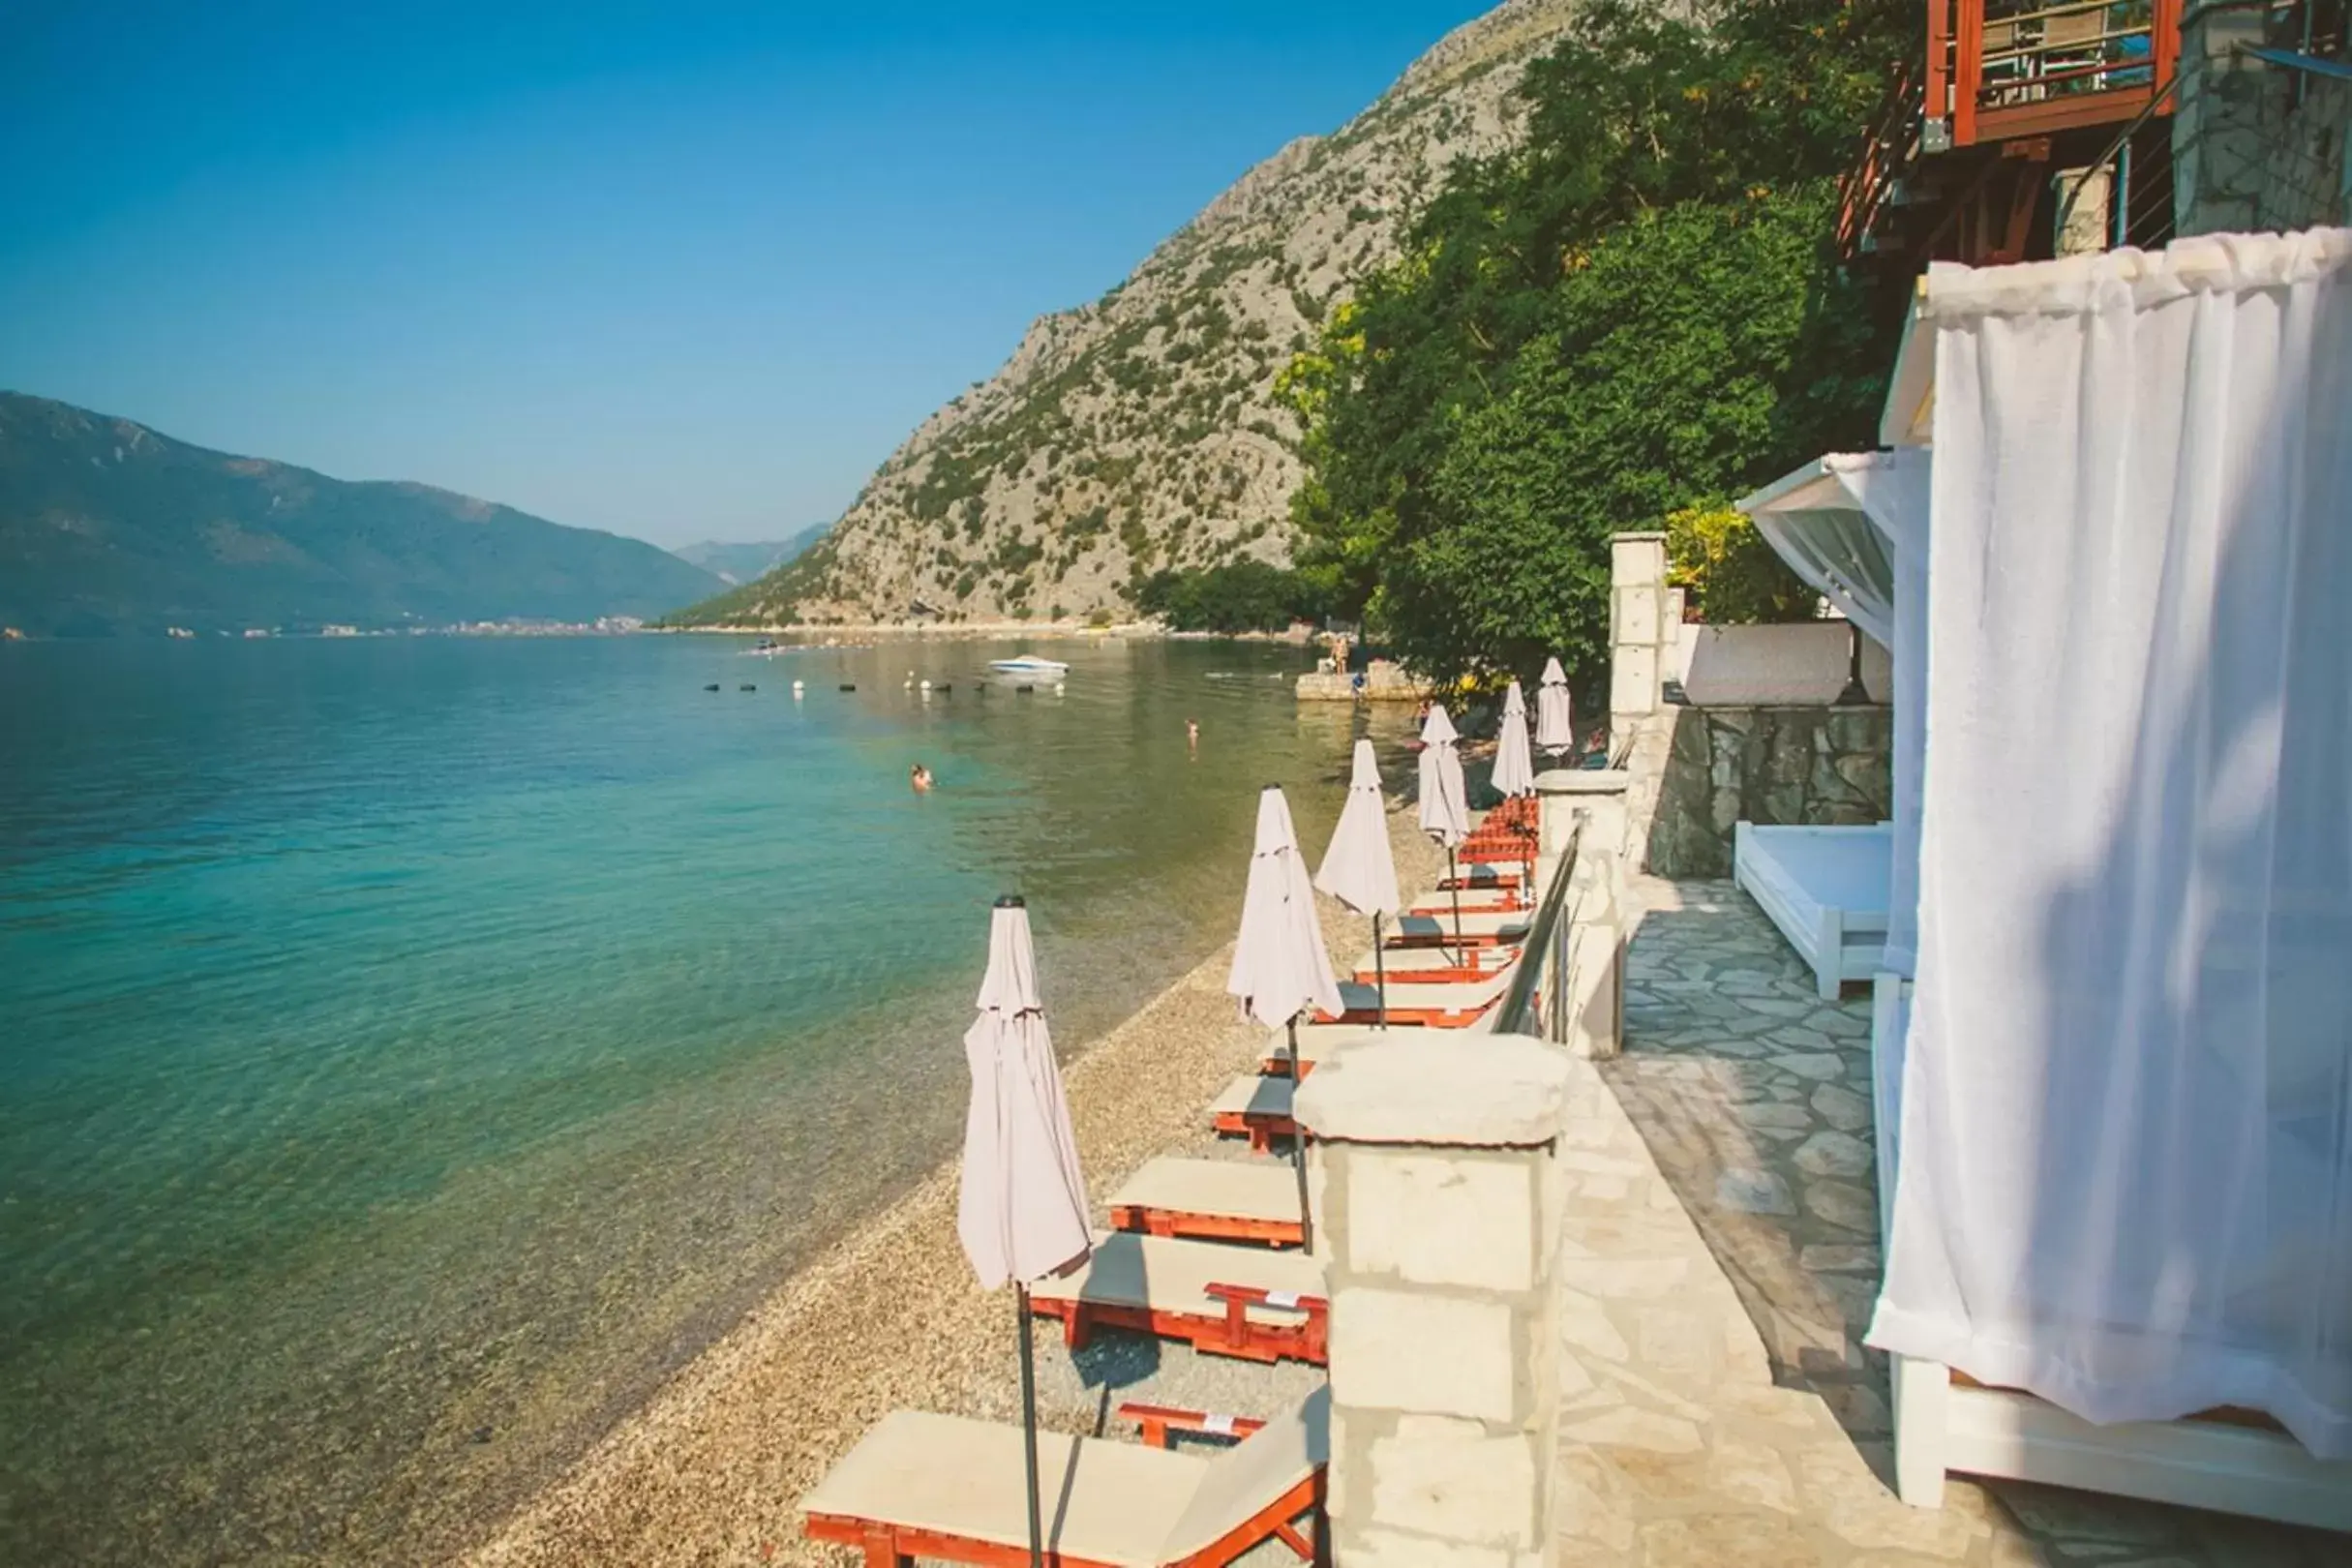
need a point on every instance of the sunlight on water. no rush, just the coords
(411, 1050)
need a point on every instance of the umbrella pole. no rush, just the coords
(1298, 1142)
(1029, 1428)
(1379, 970)
(1453, 869)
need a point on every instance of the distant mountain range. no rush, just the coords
(737, 563)
(108, 527)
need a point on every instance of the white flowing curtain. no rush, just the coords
(2126, 1180)
(1892, 488)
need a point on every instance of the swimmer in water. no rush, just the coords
(920, 777)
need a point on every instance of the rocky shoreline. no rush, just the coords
(710, 1470)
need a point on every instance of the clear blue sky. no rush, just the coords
(679, 270)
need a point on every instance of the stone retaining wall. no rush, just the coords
(1813, 767)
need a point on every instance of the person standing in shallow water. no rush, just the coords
(919, 777)
(1192, 735)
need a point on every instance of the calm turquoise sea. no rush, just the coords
(412, 1050)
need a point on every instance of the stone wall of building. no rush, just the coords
(2256, 146)
(1784, 766)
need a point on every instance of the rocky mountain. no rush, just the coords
(109, 528)
(737, 564)
(1142, 431)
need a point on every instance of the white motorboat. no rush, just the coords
(1029, 664)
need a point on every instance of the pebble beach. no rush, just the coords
(712, 1469)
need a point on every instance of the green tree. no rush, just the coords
(1240, 596)
(1633, 312)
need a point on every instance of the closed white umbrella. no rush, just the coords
(1280, 967)
(1360, 868)
(1554, 723)
(1513, 764)
(1021, 1214)
(1445, 805)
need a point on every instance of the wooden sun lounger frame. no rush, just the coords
(1494, 882)
(1400, 941)
(1452, 975)
(1195, 1225)
(1260, 1128)
(1229, 1332)
(1490, 845)
(1515, 811)
(898, 1546)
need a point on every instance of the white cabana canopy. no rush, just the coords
(2125, 1178)
(1821, 522)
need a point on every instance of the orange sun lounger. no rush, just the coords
(1317, 1044)
(1480, 928)
(1255, 1107)
(1226, 1200)
(1479, 877)
(1446, 1004)
(1250, 1302)
(954, 1489)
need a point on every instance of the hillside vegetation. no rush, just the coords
(1142, 432)
(108, 527)
(1621, 323)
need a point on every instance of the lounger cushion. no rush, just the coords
(1439, 996)
(1250, 1475)
(1171, 1275)
(1233, 1189)
(1475, 922)
(1321, 1043)
(1401, 965)
(1107, 1502)
(1254, 1094)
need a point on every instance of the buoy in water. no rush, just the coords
(926, 686)
(795, 688)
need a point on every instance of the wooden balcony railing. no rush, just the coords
(2003, 69)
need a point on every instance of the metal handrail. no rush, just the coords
(1519, 998)
(2122, 137)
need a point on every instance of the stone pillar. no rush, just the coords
(1637, 632)
(1593, 799)
(1443, 1200)
(1590, 975)
(1585, 987)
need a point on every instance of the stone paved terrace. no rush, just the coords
(1720, 1257)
